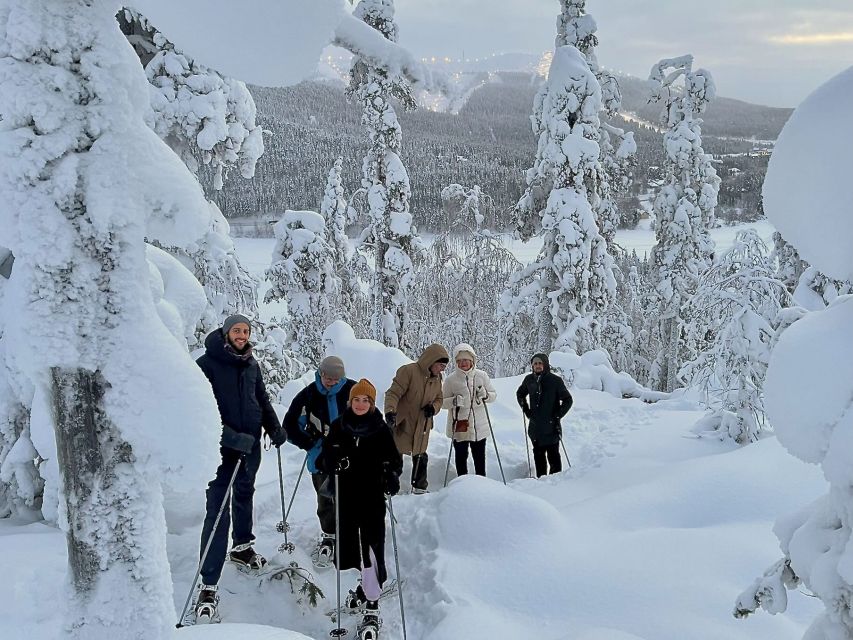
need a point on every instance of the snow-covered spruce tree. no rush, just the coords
(390, 235)
(302, 273)
(84, 181)
(573, 273)
(809, 384)
(684, 206)
(350, 302)
(616, 146)
(734, 310)
(204, 117)
(208, 120)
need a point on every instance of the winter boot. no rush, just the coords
(356, 600)
(207, 604)
(243, 557)
(418, 491)
(324, 553)
(368, 628)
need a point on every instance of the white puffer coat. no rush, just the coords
(464, 395)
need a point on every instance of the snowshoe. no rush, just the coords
(418, 491)
(368, 628)
(324, 553)
(207, 605)
(356, 602)
(243, 557)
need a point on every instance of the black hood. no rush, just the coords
(214, 345)
(544, 358)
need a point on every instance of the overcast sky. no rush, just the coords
(772, 52)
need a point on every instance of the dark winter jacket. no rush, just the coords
(544, 399)
(244, 405)
(364, 447)
(311, 413)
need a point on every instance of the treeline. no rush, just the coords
(489, 143)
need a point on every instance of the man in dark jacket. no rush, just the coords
(245, 408)
(307, 422)
(544, 399)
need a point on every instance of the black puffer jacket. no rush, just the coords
(549, 400)
(238, 388)
(368, 446)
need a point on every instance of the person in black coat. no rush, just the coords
(245, 409)
(307, 422)
(544, 399)
(360, 449)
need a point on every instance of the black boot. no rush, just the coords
(419, 473)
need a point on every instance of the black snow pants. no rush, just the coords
(419, 471)
(552, 453)
(240, 512)
(478, 452)
(325, 504)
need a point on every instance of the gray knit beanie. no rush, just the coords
(230, 321)
(333, 367)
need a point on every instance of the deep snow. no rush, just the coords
(651, 534)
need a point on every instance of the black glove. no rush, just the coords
(429, 411)
(333, 458)
(391, 419)
(315, 428)
(392, 483)
(236, 440)
(278, 436)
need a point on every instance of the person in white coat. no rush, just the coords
(466, 391)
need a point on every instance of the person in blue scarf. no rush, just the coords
(307, 422)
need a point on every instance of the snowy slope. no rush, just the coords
(650, 535)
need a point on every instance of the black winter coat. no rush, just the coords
(244, 404)
(549, 400)
(366, 446)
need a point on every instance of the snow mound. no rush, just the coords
(232, 631)
(593, 370)
(807, 356)
(807, 191)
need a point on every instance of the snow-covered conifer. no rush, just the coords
(203, 116)
(789, 265)
(390, 234)
(684, 207)
(350, 303)
(84, 182)
(302, 273)
(572, 277)
(734, 311)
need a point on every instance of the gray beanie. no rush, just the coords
(333, 367)
(230, 321)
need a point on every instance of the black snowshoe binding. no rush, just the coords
(324, 553)
(356, 600)
(368, 628)
(243, 557)
(207, 604)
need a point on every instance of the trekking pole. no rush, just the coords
(397, 564)
(527, 442)
(494, 441)
(339, 631)
(447, 468)
(568, 462)
(209, 541)
(282, 526)
(298, 480)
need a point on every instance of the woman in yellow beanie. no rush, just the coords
(360, 450)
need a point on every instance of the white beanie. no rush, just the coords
(464, 351)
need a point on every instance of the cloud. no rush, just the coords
(813, 38)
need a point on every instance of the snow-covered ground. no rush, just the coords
(651, 534)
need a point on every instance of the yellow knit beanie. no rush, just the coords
(363, 388)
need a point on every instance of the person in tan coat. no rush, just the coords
(411, 402)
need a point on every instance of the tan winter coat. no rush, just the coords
(465, 393)
(412, 389)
